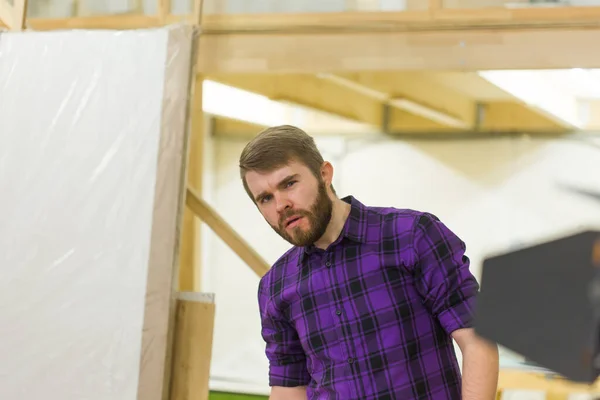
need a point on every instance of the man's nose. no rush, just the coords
(283, 203)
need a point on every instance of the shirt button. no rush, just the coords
(338, 312)
(350, 360)
(328, 264)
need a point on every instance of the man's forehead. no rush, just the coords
(260, 180)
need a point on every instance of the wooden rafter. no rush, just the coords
(417, 102)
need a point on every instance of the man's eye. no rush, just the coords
(290, 183)
(265, 199)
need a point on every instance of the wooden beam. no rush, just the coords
(189, 265)
(380, 51)
(208, 215)
(433, 98)
(198, 12)
(505, 116)
(495, 98)
(520, 17)
(308, 90)
(164, 10)
(360, 98)
(465, 40)
(471, 84)
(416, 101)
(435, 17)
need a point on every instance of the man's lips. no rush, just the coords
(292, 221)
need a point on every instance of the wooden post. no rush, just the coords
(189, 267)
(190, 236)
(192, 349)
(164, 10)
(197, 12)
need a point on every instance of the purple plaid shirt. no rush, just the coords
(370, 317)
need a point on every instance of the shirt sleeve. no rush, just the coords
(287, 360)
(448, 287)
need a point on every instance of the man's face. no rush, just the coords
(293, 201)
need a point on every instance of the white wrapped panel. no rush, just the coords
(92, 149)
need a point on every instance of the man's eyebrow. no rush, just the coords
(285, 180)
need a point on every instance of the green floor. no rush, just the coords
(234, 396)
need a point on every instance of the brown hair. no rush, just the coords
(275, 147)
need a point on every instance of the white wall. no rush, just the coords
(494, 193)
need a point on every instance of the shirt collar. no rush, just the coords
(355, 227)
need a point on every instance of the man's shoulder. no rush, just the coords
(416, 230)
(399, 229)
(405, 219)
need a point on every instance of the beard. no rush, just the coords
(317, 218)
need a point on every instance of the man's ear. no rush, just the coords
(327, 173)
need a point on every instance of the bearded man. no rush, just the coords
(367, 302)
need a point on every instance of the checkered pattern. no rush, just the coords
(370, 317)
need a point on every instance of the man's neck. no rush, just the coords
(339, 214)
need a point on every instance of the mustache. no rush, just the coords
(292, 213)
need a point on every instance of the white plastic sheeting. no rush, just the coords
(92, 144)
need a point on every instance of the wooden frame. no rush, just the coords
(235, 242)
(459, 40)
(160, 307)
(472, 50)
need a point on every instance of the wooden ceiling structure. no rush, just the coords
(399, 102)
(362, 65)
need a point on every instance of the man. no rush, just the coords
(367, 302)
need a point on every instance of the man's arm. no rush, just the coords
(288, 393)
(449, 291)
(288, 374)
(480, 365)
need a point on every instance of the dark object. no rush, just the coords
(543, 302)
